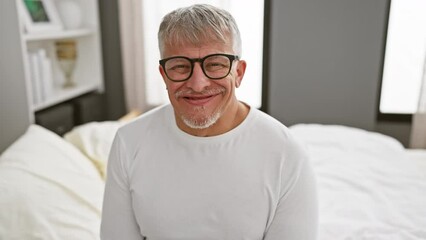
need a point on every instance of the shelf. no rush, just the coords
(57, 35)
(63, 94)
(21, 93)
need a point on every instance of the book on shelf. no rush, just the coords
(46, 73)
(35, 78)
(41, 75)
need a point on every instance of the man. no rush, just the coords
(206, 166)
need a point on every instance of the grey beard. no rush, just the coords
(201, 124)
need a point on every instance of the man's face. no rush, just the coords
(200, 102)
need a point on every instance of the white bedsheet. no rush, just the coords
(48, 190)
(369, 187)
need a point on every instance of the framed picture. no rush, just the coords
(40, 16)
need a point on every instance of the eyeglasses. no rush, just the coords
(214, 66)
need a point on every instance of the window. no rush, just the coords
(250, 23)
(405, 57)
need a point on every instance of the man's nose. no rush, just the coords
(198, 81)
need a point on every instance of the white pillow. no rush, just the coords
(344, 137)
(94, 139)
(49, 189)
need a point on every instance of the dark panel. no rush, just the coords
(325, 61)
(113, 72)
(59, 119)
(266, 55)
(89, 108)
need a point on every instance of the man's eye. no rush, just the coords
(180, 67)
(215, 66)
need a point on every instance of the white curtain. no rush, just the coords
(139, 22)
(132, 42)
(418, 128)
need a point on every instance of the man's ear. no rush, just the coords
(163, 74)
(241, 69)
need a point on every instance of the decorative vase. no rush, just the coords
(71, 13)
(66, 52)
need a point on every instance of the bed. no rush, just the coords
(369, 186)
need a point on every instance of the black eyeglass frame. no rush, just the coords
(231, 58)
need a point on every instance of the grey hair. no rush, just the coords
(197, 24)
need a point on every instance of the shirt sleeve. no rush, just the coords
(118, 220)
(296, 216)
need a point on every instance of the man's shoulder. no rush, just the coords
(266, 122)
(149, 119)
(274, 132)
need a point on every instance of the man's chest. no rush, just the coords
(203, 202)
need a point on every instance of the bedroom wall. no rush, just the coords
(325, 63)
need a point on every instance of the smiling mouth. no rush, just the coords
(198, 97)
(199, 100)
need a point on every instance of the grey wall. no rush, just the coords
(111, 51)
(325, 63)
(14, 115)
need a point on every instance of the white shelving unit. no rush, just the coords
(74, 33)
(88, 71)
(17, 105)
(59, 95)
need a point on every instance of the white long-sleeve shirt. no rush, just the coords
(253, 182)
